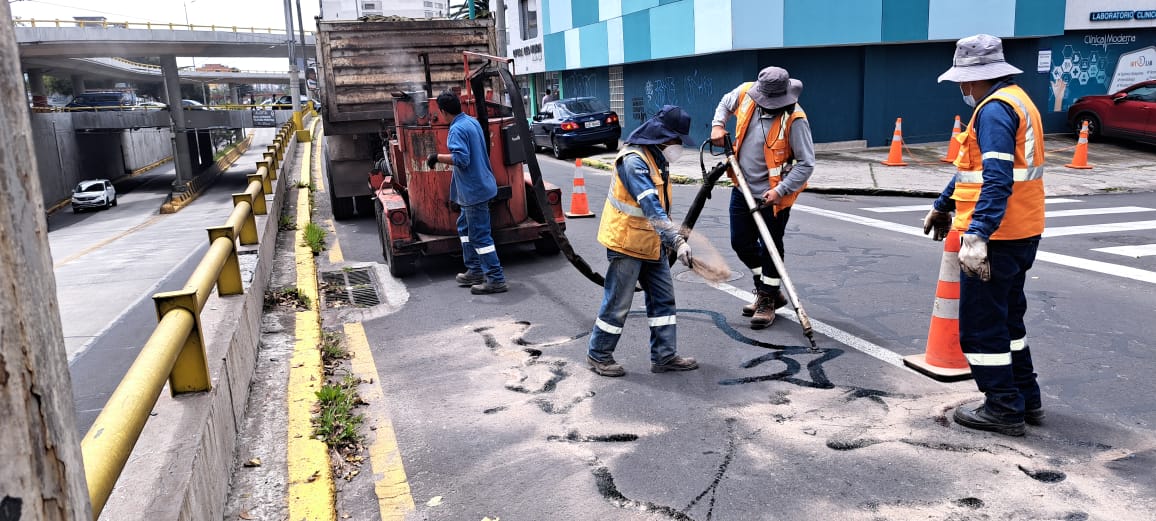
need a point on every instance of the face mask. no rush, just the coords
(967, 98)
(672, 153)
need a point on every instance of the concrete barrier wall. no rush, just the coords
(56, 155)
(143, 147)
(184, 456)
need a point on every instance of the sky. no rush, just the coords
(246, 13)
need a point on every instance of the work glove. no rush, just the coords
(973, 256)
(938, 221)
(431, 161)
(684, 255)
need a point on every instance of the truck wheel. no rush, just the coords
(399, 265)
(378, 210)
(545, 245)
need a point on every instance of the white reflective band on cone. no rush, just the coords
(949, 267)
(661, 321)
(988, 359)
(613, 330)
(946, 308)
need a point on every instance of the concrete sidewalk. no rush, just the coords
(1116, 167)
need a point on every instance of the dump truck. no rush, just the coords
(378, 80)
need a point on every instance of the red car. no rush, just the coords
(1128, 114)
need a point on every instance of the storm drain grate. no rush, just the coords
(350, 287)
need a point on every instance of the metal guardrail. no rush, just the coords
(32, 22)
(176, 350)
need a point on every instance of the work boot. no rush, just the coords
(978, 418)
(1034, 416)
(609, 368)
(469, 278)
(764, 314)
(780, 301)
(676, 363)
(487, 288)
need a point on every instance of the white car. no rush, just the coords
(93, 193)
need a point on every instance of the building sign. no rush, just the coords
(264, 118)
(1097, 63)
(1109, 14)
(1044, 61)
(1134, 67)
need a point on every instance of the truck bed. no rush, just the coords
(364, 63)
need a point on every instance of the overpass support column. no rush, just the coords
(36, 82)
(77, 84)
(234, 97)
(181, 159)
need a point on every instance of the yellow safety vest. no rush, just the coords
(1025, 206)
(624, 228)
(778, 152)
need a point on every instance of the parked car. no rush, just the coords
(151, 105)
(103, 100)
(285, 101)
(93, 193)
(567, 123)
(192, 104)
(1128, 114)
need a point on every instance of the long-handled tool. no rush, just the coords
(765, 234)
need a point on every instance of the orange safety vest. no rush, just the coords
(776, 153)
(624, 227)
(1025, 206)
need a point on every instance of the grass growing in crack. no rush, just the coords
(336, 423)
(315, 238)
(286, 222)
(332, 348)
(290, 297)
(304, 184)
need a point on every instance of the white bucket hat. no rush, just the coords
(978, 57)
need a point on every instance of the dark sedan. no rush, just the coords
(574, 122)
(1128, 114)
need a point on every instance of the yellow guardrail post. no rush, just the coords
(190, 372)
(229, 281)
(270, 159)
(263, 164)
(262, 187)
(266, 182)
(278, 147)
(248, 224)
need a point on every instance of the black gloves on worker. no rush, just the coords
(431, 161)
(938, 221)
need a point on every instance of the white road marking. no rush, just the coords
(1099, 228)
(1098, 211)
(1055, 258)
(925, 207)
(832, 332)
(1137, 251)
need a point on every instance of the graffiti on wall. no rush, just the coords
(690, 90)
(579, 85)
(1097, 63)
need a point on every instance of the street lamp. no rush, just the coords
(186, 3)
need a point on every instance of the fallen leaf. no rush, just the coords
(434, 501)
(246, 515)
(255, 462)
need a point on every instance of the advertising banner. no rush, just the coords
(1089, 63)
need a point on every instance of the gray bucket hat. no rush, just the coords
(978, 57)
(775, 89)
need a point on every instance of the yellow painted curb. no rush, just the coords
(312, 493)
(390, 482)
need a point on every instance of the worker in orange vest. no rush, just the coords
(997, 195)
(774, 148)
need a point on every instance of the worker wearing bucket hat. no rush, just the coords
(774, 148)
(997, 195)
(637, 232)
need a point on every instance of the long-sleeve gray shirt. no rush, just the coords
(752, 158)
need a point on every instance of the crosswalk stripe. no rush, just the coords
(925, 207)
(1098, 211)
(1137, 251)
(1129, 226)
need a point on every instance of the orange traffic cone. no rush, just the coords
(944, 360)
(895, 156)
(579, 206)
(1080, 159)
(953, 145)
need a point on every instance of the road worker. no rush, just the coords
(637, 232)
(997, 195)
(774, 148)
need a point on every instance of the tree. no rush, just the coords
(462, 11)
(41, 470)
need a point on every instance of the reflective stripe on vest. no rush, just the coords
(624, 227)
(776, 154)
(1024, 216)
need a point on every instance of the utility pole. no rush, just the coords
(500, 25)
(41, 470)
(303, 62)
(293, 76)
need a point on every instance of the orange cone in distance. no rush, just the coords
(1080, 158)
(943, 359)
(579, 206)
(895, 156)
(953, 145)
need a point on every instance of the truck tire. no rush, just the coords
(400, 266)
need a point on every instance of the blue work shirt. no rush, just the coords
(473, 181)
(635, 176)
(995, 131)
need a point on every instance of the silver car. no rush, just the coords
(93, 193)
